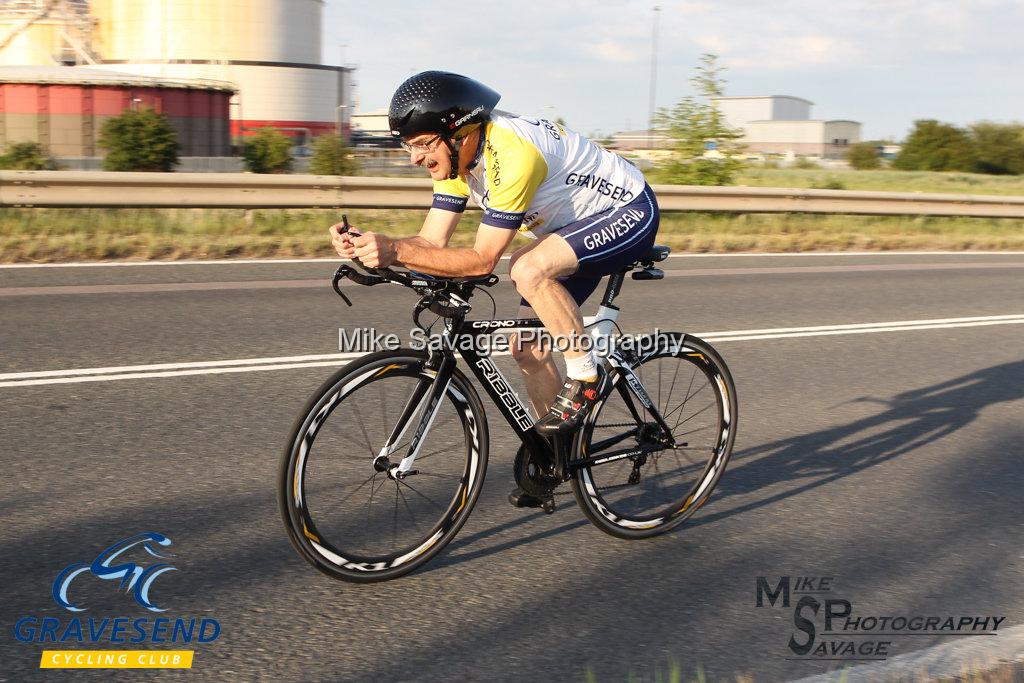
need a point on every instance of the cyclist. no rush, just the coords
(589, 211)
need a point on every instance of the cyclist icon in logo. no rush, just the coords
(132, 576)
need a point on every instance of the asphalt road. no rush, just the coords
(888, 460)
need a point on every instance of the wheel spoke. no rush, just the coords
(421, 495)
(687, 396)
(405, 501)
(362, 428)
(708, 406)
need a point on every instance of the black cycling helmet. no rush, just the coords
(442, 103)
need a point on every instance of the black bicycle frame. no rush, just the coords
(461, 336)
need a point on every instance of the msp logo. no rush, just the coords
(127, 564)
(827, 627)
(132, 575)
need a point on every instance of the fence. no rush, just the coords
(243, 190)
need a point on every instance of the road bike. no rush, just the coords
(387, 459)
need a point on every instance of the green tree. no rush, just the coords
(331, 157)
(863, 156)
(268, 151)
(999, 147)
(141, 140)
(936, 146)
(26, 156)
(695, 125)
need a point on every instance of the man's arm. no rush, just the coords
(421, 253)
(480, 259)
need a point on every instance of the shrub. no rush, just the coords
(829, 183)
(142, 140)
(863, 156)
(331, 157)
(26, 156)
(268, 151)
(999, 147)
(936, 146)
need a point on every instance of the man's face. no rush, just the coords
(429, 151)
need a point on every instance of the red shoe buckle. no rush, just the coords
(590, 394)
(576, 406)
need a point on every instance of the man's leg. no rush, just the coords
(540, 373)
(535, 273)
(536, 276)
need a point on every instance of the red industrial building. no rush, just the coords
(63, 108)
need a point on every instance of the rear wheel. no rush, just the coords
(651, 484)
(357, 522)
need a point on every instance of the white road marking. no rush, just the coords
(158, 370)
(274, 261)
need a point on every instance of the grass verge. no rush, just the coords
(55, 235)
(882, 180)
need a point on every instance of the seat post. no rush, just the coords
(612, 291)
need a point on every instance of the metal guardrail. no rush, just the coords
(244, 190)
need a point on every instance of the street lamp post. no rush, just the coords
(339, 121)
(654, 73)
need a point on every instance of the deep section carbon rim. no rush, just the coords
(361, 524)
(657, 486)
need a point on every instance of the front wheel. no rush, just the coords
(640, 482)
(356, 521)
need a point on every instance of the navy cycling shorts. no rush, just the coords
(607, 242)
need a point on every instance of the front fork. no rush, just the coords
(431, 392)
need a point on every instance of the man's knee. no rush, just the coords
(526, 275)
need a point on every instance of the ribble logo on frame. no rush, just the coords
(133, 577)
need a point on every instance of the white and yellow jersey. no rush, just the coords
(537, 176)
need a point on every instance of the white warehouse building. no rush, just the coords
(782, 124)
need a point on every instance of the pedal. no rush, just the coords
(548, 506)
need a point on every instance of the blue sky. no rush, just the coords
(884, 63)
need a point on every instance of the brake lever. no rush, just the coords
(339, 274)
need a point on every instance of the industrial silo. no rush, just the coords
(44, 32)
(269, 48)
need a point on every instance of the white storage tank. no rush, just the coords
(43, 32)
(270, 49)
(169, 30)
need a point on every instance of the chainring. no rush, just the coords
(533, 474)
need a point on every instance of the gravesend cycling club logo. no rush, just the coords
(826, 627)
(132, 567)
(133, 577)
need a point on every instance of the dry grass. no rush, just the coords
(54, 235)
(882, 180)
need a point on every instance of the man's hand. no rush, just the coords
(375, 250)
(342, 241)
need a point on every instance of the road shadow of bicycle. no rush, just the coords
(909, 421)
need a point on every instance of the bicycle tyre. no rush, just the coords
(320, 468)
(669, 489)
